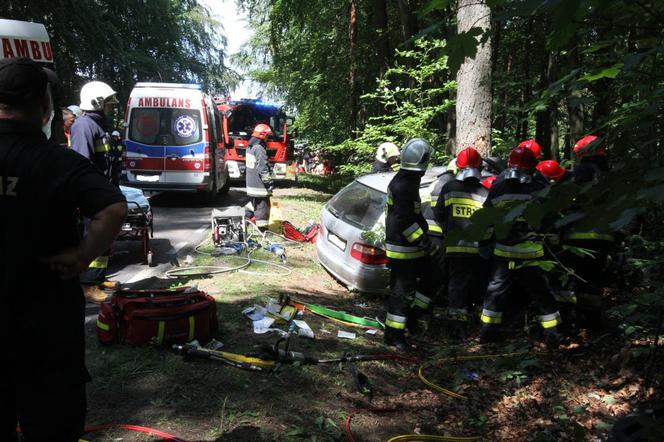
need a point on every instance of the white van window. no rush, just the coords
(165, 126)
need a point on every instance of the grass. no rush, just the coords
(514, 399)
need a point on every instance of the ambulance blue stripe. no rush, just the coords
(161, 151)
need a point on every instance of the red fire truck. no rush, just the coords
(239, 119)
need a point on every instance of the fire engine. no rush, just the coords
(238, 121)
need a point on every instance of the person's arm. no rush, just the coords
(103, 229)
(81, 139)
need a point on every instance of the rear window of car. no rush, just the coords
(165, 126)
(358, 205)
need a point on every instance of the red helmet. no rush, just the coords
(533, 146)
(580, 148)
(468, 157)
(261, 131)
(522, 158)
(551, 169)
(488, 181)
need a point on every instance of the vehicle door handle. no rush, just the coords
(173, 157)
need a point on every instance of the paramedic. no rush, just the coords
(41, 187)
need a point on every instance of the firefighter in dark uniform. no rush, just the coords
(458, 200)
(387, 158)
(90, 138)
(513, 252)
(259, 179)
(410, 252)
(43, 357)
(116, 157)
(586, 290)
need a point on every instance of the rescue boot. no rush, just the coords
(490, 334)
(415, 322)
(92, 293)
(396, 338)
(108, 284)
(551, 338)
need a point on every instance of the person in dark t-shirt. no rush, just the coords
(42, 186)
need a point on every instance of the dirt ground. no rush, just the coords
(575, 394)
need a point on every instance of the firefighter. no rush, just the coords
(459, 199)
(586, 288)
(387, 158)
(590, 159)
(553, 171)
(116, 157)
(90, 138)
(515, 253)
(259, 180)
(43, 389)
(410, 252)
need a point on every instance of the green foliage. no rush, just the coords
(412, 98)
(125, 42)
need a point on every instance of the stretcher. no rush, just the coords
(139, 223)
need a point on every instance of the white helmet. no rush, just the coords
(386, 151)
(115, 133)
(95, 94)
(416, 154)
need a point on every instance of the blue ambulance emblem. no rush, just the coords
(185, 126)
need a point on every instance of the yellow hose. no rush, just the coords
(450, 393)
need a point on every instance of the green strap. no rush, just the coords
(365, 322)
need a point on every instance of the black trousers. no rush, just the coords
(411, 281)
(591, 269)
(46, 411)
(262, 207)
(467, 282)
(530, 280)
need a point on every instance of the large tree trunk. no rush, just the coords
(382, 45)
(473, 106)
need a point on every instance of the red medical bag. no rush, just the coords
(139, 317)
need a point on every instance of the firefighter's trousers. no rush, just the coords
(413, 283)
(466, 285)
(530, 280)
(262, 207)
(590, 269)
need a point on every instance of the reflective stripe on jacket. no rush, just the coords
(259, 182)
(404, 224)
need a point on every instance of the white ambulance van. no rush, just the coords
(173, 140)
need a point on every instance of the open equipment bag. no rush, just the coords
(138, 317)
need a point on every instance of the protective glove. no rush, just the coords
(430, 247)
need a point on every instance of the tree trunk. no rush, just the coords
(473, 107)
(352, 36)
(543, 119)
(575, 109)
(382, 45)
(407, 19)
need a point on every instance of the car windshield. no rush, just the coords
(165, 126)
(244, 118)
(358, 205)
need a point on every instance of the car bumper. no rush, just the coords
(353, 274)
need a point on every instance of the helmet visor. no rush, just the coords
(468, 173)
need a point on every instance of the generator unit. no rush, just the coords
(228, 225)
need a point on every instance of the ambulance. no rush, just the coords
(26, 39)
(173, 140)
(30, 40)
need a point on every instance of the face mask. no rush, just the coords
(47, 127)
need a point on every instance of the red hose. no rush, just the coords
(137, 428)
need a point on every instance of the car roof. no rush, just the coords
(380, 181)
